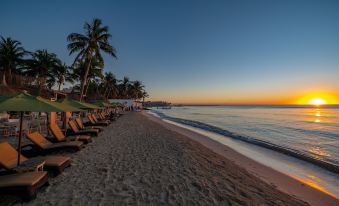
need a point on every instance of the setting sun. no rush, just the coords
(318, 98)
(317, 101)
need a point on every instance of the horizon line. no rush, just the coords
(300, 105)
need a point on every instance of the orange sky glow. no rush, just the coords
(308, 97)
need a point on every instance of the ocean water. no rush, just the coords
(307, 136)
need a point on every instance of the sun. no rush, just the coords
(318, 98)
(317, 101)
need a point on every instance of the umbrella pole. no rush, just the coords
(47, 123)
(20, 136)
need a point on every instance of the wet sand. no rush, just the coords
(138, 161)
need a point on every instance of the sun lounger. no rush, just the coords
(102, 116)
(81, 126)
(42, 143)
(24, 185)
(59, 135)
(94, 121)
(8, 161)
(111, 115)
(100, 121)
(76, 131)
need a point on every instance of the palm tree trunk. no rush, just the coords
(85, 79)
(59, 87)
(108, 92)
(40, 86)
(4, 83)
(9, 76)
(86, 87)
(106, 89)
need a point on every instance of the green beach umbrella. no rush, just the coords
(117, 104)
(62, 105)
(23, 102)
(102, 104)
(78, 104)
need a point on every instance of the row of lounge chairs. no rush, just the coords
(32, 173)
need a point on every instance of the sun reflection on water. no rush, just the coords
(319, 152)
(310, 183)
(317, 115)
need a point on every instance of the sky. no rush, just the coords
(200, 52)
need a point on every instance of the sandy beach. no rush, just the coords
(139, 161)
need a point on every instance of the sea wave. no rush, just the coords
(333, 167)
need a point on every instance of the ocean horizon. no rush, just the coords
(324, 106)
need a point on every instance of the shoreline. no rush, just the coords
(331, 167)
(281, 181)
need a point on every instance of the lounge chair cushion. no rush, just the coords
(76, 131)
(39, 140)
(44, 144)
(9, 156)
(73, 144)
(22, 179)
(104, 122)
(79, 122)
(82, 126)
(56, 161)
(57, 133)
(73, 126)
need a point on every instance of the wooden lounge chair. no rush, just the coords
(8, 161)
(81, 126)
(100, 121)
(94, 121)
(76, 131)
(111, 115)
(103, 116)
(24, 185)
(59, 135)
(42, 143)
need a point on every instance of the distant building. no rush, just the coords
(127, 102)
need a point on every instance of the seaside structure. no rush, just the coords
(130, 103)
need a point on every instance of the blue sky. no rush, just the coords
(198, 51)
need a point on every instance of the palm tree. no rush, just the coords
(135, 90)
(144, 95)
(61, 74)
(79, 70)
(110, 85)
(40, 67)
(11, 54)
(89, 45)
(123, 87)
